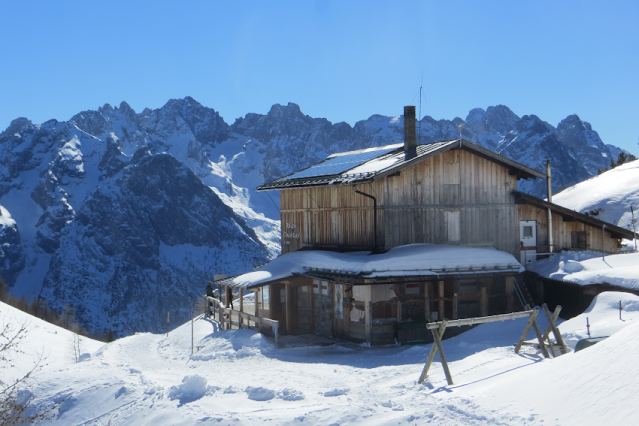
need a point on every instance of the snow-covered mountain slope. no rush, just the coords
(608, 196)
(237, 377)
(54, 173)
(144, 244)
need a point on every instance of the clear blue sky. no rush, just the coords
(342, 60)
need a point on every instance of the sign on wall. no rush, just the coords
(290, 234)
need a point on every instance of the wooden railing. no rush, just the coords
(224, 316)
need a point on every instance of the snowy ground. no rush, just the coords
(238, 378)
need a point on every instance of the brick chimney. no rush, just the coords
(410, 136)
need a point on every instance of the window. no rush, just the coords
(324, 288)
(265, 298)
(453, 226)
(411, 288)
(528, 231)
(579, 240)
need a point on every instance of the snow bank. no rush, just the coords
(408, 260)
(192, 388)
(589, 267)
(602, 317)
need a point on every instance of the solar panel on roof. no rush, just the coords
(337, 165)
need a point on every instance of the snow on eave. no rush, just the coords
(431, 259)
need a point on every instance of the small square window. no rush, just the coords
(528, 231)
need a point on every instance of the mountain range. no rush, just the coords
(127, 215)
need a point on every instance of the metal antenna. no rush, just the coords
(419, 118)
(460, 133)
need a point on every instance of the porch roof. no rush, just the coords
(404, 261)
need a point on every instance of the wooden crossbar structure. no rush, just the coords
(438, 329)
(252, 322)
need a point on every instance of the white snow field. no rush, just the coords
(237, 377)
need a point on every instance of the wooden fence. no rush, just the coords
(224, 316)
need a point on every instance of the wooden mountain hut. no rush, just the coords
(446, 197)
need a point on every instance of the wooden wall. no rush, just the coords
(456, 197)
(562, 231)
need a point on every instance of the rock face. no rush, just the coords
(126, 215)
(117, 258)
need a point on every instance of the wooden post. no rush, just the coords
(399, 312)
(542, 346)
(555, 330)
(312, 307)
(555, 315)
(240, 318)
(531, 320)
(442, 355)
(431, 354)
(289, 310)
(484, 302)
(427, 300)
(441, 301)
(368, 317)
(455, 306)
(510, 289)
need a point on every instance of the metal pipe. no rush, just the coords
(634, 232)
(549, 183)
(603, 242)
(375, 248)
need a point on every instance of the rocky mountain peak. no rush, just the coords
(16, 126)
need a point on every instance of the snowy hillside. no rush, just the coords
(607, 197)
(238, 378)
(89, 218)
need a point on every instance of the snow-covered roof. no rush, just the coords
(391, 159)
(403, 261)
(590, 267)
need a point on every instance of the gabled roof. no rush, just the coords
(616, 231)
(347, 170)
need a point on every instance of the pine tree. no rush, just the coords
(110, 336)
(4, 292)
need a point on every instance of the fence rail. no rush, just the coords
(224, 316)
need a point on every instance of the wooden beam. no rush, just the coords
(289, 310)
(427, 300)
(510, 289)
(542, 346)
(484, 301)
(555, 315)
(431, 354)
(531, 320)
(240, 319)
(441, 300)
(442, 355)
(555, 330)
(480, 320)
(455, 306)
